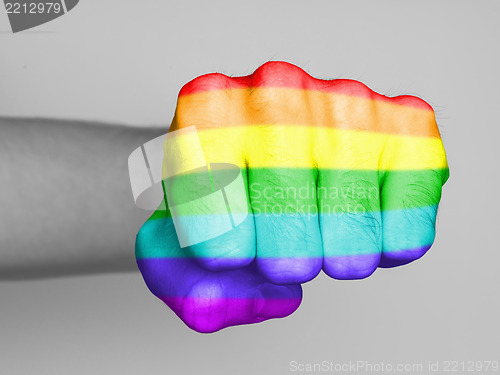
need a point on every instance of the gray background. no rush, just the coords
(124, 61)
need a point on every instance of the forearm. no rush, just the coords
(66, 204)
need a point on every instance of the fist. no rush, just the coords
(206, 301)
(337, 177)
(289, 175)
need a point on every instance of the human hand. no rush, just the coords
(206, 301)
(337, 176)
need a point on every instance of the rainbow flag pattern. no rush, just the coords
(338, 178)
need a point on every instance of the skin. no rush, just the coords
(80, 218)
(67, 209)
(370, 169)
(205, 300)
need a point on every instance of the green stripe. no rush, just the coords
(329, 191)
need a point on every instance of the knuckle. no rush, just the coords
(204, 308)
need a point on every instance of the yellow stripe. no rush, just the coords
(292, 146)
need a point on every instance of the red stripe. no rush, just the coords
(284, 75)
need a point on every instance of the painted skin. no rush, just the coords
(337, 176)
(207, 301)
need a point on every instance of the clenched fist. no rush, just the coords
(334, 177)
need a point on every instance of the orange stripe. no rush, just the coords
(270, 106)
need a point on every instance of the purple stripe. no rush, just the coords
(351, 267)
(208, 315)
(174, 277)
(401, 257)
(208, 301)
